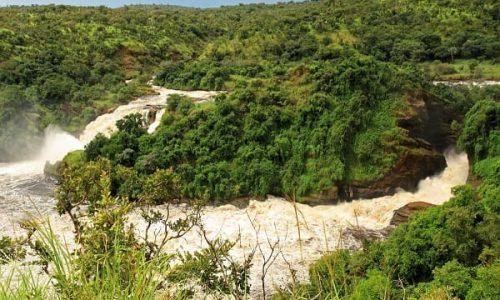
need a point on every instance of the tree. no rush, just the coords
(161, 187)
(133, 124)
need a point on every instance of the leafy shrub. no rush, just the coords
(485, 287)
(377, 285)
(480, 121)
(161, 187)
(454, 277)
(331, 277)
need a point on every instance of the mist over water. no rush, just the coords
(24, 192)
(55, 145)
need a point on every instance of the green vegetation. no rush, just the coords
(313, 95)
(257, 142)
(462, 70)
(10, 249)
(311, 108)
(444, 252)
(111, 261)
(66, 65)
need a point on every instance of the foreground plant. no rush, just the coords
(111, 259)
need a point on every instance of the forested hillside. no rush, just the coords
(314, 106)
(262, 41)
(446, 252)
(320, 102)
(66, 65)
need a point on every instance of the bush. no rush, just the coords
(161, 187)
(485, 286)
(445, 69)
(331, 277)
(454, 277)
(483, 118)
(376, 286)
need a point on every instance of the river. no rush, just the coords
(24, 192)
(467, 83)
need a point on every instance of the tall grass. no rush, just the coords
(120, 273)
(23, 283)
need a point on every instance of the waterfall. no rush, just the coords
(157, 121)
(56, 144)
(106, 124)
(23, 190)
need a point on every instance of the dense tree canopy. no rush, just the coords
(450, 251)
(312, 95)
(70, 64)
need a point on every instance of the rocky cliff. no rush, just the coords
(427, 123)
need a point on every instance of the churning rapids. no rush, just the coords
(25, 193)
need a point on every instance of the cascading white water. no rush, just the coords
(321, 226)
(106, 124)
(23, 190)
(152, 128)
(56, 144)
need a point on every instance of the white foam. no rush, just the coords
(152, 128)
(56, 144)
(321, 226)
(106, 124)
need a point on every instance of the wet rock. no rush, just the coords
(51, 171)
(152, 111)
(324, 197)
(110, 110)
(427, 124)
(412, 166)
(402, 214)
(428, 121)
(355, 237)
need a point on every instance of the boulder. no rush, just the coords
(429, 120)
(402, 214)
(356, 237)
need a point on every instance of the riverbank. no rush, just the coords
(273, 221)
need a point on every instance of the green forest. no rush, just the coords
(446, 252)
(66, 65)
(317, 97)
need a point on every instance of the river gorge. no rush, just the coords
(26, 193)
